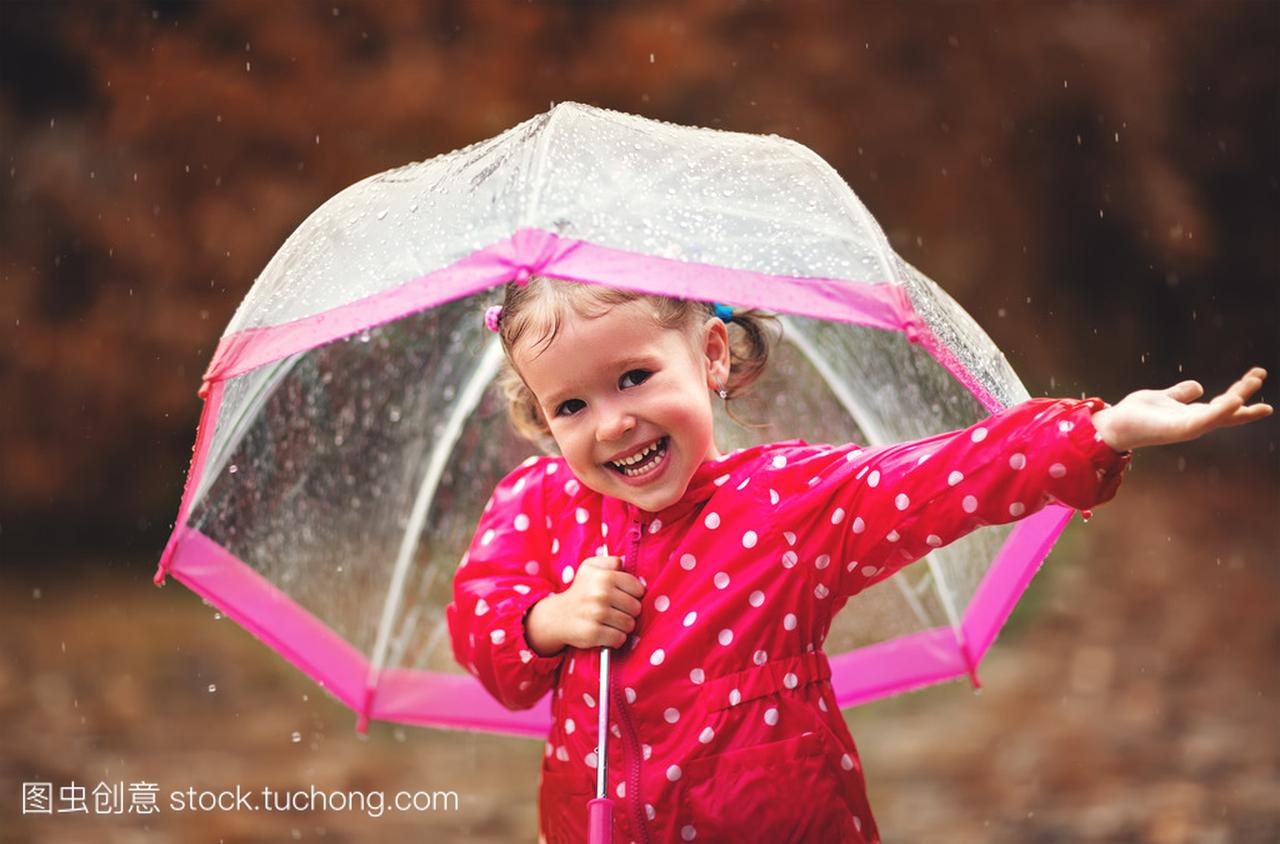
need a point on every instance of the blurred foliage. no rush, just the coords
(1096, 183)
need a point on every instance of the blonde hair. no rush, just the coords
(540, 305)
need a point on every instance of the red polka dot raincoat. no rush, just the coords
(723, 720)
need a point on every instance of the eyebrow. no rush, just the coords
(624, 364)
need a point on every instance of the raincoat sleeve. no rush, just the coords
(876, 510)
(502, 575)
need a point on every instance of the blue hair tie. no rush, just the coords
(724, 312)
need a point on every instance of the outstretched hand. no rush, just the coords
(1160, 417)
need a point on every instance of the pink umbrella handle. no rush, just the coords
(600, 821)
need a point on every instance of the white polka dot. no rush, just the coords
(671, 715)
(934, 540)
(771, 716)
(622, 790)
(978, 435)
(588, 700)
(482, 607)
(857, 823)
(526, 656)
(1017, 462)
(498, 636)
(1017, 508)
(744, 483)
(655, 525)
(773, 496)
(567, 574)
(789, 536)
(874, 478)
(722, 480)
(823, 561)
(814, 480)
(712, 521)
(1057, 470)
(674, 773)
(688, 561)
(552, 468)
(955, 478)
(706, 735)
(688, 832)
(735, 697)
(661, 603)
(837, 516)
(789, 559)
(725, 637)
(1066, 426)
(690, 618)
(581, 515)
(529, 461)
(555, 546)
(790, 680)
(846, 762)
(859, 525)
(760, 657)
(749, 539)
(697, 676)
(789, 621)
(779, 461)
(547, 522)
(822, 704)
(861, 472)
(892, 536)
(562, 753)
(571, 487)
(522, 522)
(820, 591)
(923, 458)
(657, 657)
(901, 501)
(531, 567)
(488, 536)
(721, 580)
(569, 726)
(969, 504)
(867, 571)
(756, 598)
(630, 694)
(648, 811)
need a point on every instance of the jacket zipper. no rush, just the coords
(631, 566)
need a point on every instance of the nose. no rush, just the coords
(615, 422)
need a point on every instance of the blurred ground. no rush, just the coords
(1131, 698)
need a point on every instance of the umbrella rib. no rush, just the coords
(877, 436)
(462, 409)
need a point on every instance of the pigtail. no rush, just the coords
(752, 333)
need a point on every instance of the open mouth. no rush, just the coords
(642, 462)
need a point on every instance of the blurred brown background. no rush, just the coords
(1098, 184)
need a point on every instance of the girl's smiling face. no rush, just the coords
(628, 401)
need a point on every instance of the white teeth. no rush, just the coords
(638, 457)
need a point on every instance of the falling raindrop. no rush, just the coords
(213, 687)
(297, 737)
(232, 469)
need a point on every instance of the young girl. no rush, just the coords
(726, 569)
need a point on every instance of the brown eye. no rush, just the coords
(565, 407)
(636, 376)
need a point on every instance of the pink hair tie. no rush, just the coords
(491, 318)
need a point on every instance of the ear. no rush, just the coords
(715, 351)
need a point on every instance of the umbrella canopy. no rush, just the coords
(352, 430)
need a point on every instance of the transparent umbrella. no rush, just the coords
(352, 432)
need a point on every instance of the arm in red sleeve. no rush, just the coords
(897, 503)
(503, 574)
